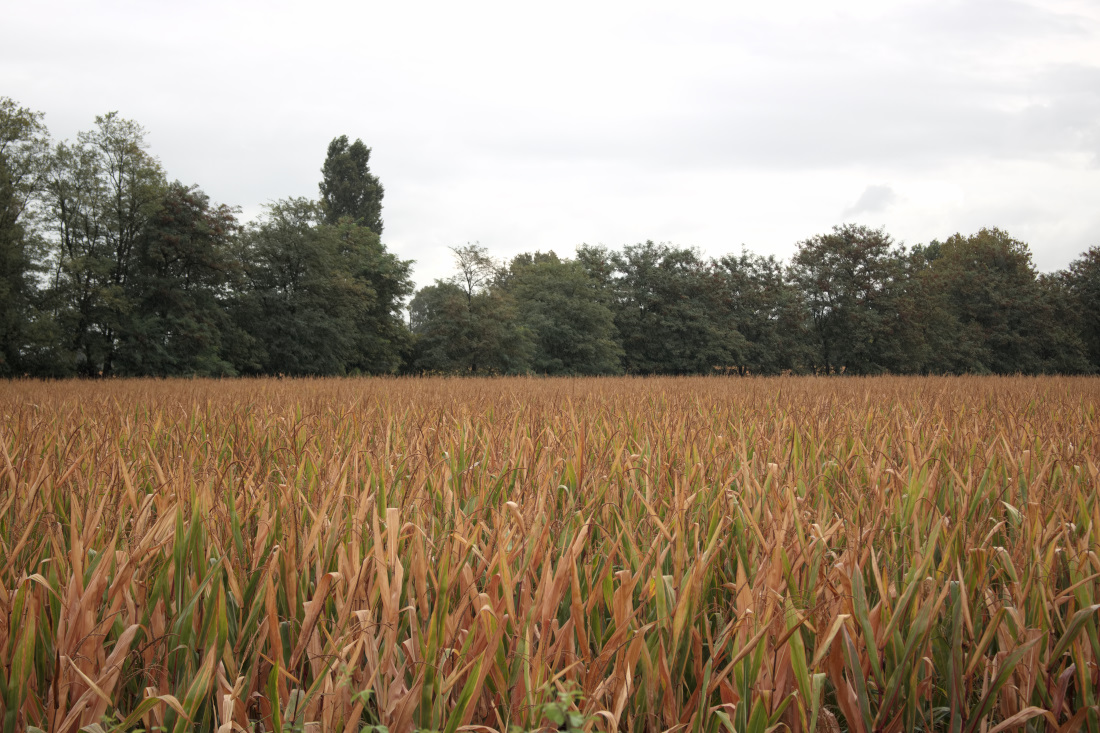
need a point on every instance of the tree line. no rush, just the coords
(108, 268)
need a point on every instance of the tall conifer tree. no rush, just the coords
(348, 188)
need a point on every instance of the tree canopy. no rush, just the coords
(348, 188)
(467, 324)
(567, 314)
(110, 268)
(24, 165)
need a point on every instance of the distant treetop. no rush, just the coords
(348, 188)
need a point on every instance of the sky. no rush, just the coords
(527, 126)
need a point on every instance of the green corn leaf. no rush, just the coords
(863, 618)
(1072, 630)
(851, 658)
(273, 698)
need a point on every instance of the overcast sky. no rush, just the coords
(541, 126)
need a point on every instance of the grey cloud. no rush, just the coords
(873, 200)
(924, 86)
(911, 118)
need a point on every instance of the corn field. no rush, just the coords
(695, 555)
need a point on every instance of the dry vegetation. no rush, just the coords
(694, 555)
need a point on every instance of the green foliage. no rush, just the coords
(147, 278)
(1082, 281)
(294, 301)
(476, 269)
(383, 282)
(768, 311)
(853, 280)
(567, 315)
(24, 162)
(669, 312)
(997, 319)
(937, 347)
(561, 710)
(468, 324)
(460, 333)
(180, 274)
(106, 269)
(1064, 327)
(317, 298)
(348, 188)
(102, 193)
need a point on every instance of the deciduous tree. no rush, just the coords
(669, 312)
(101, 194)
(853, 282)
(384, 282)
(991, 291)
(1083, 280)
(24, 162)
(567, 315)
(178, 324)
(768, 311)
(468, 324)
(319, 299)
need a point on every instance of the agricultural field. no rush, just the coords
(696, 555)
